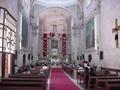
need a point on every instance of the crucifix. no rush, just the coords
(116, 30)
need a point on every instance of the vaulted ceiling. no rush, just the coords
(55, 16)
(57, 2)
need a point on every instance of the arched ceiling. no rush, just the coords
(55, 16)
(60, 22)
(54, 11)
(57, 2)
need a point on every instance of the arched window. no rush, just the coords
(31, 57)
(83, 56)
(28, 56)
(89, 58)
(24, 59)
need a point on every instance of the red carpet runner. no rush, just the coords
(59, 81)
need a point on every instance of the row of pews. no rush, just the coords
(106, 79)
(104, 82)
(25, 81)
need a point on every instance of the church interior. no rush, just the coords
(59, 45)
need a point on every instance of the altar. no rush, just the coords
(55, 59)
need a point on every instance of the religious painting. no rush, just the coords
(54, 43)
(89, 34)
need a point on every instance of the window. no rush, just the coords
(89, 58)
(89, 34)
(28, 56)
(24, 31)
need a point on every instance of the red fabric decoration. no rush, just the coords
(52, 34)
(44, 45)
(64, 45)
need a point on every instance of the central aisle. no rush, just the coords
(59, 81)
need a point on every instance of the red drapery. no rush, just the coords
(44, 45)
(64, 45)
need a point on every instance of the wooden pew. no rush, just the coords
(27, 76)
(94, 80)
(41, 81)
(102, 81)
(105, 81)
(81, 76)
(21, 85)
(112, 86)
(25, 79)
(116, 71)
(42, 74)
(103, 73)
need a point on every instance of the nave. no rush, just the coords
(59, 81)
(39, 79)
(41, 39)
(68, 77)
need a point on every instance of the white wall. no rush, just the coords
(11, 6)
(90, 11)
(23, 8)
(75, 31)
(104, 38)
(110, 11)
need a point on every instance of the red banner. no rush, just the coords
(44, 45)
(64, 45)
(51, 34)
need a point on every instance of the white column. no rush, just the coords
(19, 38)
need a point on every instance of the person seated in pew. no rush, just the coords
(16, 69)
(86, 67)
(80, 72)
(32, 66)
(89, 71)
(45, 69)
(80, 68)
